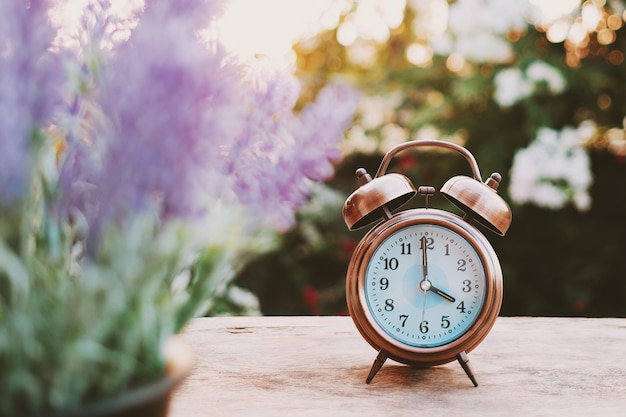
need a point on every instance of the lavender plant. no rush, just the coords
(138, 171)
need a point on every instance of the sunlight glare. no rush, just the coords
(419, 55)
(591, 16)
(269, 27)
(347, 33)
(551, 10)
(577, 33)
(557, 32)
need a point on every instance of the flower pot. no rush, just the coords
(151, 400)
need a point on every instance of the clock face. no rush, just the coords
(425, 285)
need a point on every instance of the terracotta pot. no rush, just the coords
(150, 400)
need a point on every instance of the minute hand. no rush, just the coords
(424, 260)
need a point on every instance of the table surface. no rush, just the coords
(316, 366)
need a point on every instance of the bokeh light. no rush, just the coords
(270, 27)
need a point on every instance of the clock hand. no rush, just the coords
(424, 284)
(424, 260)
(442, 294)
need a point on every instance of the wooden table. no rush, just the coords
(316, 366)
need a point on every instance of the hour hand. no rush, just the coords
(442, 294)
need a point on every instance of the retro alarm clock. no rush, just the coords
(424, 286)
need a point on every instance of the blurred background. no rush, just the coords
(535, 89)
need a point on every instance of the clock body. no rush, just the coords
(424, 286)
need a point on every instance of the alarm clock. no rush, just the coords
(424, 286)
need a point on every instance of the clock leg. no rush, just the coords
(465, 364)
(378, 363)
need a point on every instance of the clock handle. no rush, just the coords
(432, 142)
(376, 198)
(476, 199)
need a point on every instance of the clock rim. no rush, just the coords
(376, 336)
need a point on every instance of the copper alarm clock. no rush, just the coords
(424, 286)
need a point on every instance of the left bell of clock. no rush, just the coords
(376, 198)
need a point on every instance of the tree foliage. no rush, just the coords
(548, 113)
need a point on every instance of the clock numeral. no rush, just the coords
(406, 249)
(430, 243)
(461, 263)
(467, 285)
(403, 318)
(391, 263)
(389, 304)
(424, 326)
(461, 307)
(445, 323)
(384, 284)
(447, 250)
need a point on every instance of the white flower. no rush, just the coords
(548, 196)
(510, 87)
(376, 110)
(392, 135)
(484, 47)
(554, 170)
(539, 71)
(582, 200)
(513, 84)
(506, 15)
(358, 141)
(362, 53)
(428, 132)
(245, 300)
(431, 17)
(477, 29)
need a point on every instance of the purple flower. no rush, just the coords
(164, 96)
(320, 126)
(178, 123)
(30, 81)
(278, 155)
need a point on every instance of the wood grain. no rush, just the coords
(316, 366)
